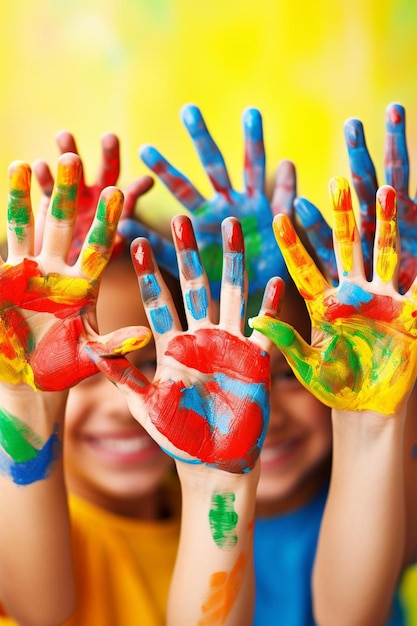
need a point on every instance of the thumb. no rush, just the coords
(301, 357)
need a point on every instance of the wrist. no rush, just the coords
(30, 406)
(202, 479)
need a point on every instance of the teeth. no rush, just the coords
(124, 446)
(270, 453)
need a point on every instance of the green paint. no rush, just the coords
(67, 195)
(18, 213)
(17, 439)
(212, 258)
(223, 520)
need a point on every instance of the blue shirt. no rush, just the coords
(285, 547)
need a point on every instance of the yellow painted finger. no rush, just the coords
(344, 225)
(308, 279)
(19, 210)
(386, 233)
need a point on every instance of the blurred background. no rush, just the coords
(129, 65)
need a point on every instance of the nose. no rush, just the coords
(109, 400)
(281, 408)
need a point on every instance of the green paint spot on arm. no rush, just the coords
(223, 520)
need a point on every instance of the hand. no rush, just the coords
(250, 206)
(209, 400)
(364, 350)
(88, 196)
(365, 182)
(47, 306)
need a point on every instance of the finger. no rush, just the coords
(163, 250)
(319, 235)
(207, 150)
(129, 380)
(396, 154)
(44, 177)
(109, 169)
(157, 300)
(364, 180)
(347, 245)
(234, 281)
(19, 212)
(285, 189)
(301, 357)
(386, 246)
(271, 306)
(98, 244)
(59, 222)
(123, 341)
(306, 276)
(254, 170)
(194, 282)
(176, 182)
(133, 191)
(66, 143)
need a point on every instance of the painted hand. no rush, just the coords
(88, 195)
(48, 307)
(250, 206)
(364, 350)
(209, 400)
(365, 182)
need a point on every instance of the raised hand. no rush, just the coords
(47, 306)
(209, 400)
(88, 195)
(364, 351)
(365, 182)
(250, 206)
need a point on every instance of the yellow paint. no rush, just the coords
(344, 224)
(309, 281)
(387, 257)
(133, 343)
(61, 289)
(68, 172)
(19, 176)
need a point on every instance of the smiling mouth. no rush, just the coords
(279, 453)
(127, 449)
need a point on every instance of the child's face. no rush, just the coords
(295, 459)
(110, 459)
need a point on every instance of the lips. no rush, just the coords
(122, 448)
(273, 455)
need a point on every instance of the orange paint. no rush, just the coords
(223, 591)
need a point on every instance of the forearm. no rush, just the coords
(35, 556)
(213, 582)
(361, 540)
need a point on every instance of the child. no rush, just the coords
(114, 469)
(296, 458)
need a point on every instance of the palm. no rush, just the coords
(48, 307)
(208, 402)
(363, 353)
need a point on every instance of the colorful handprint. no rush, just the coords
(364, 351)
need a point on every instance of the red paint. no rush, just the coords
(142, 257)
(387, 199)
(394, 116)
(274, 296)
(183, 233)
(233, 236)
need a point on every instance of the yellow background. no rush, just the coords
(129, 65)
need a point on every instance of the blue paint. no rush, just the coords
(353, 295)
(34, 469)
(161, 319)
(234, 269)
(149, 288)
(197, 302)
(191, 266)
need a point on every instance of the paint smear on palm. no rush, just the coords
(223, 520)
(24, 457)
(344, 220)
(19, 212)
(387, 257)
(223, 591)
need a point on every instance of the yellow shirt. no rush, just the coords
(122, 566)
